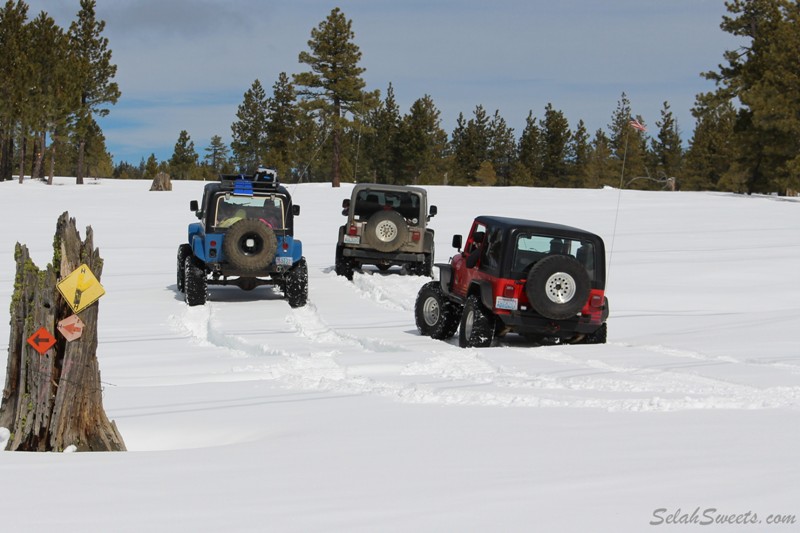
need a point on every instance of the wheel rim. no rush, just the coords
(386, 231)
(469, 321)
(431, 311)
(560, 288)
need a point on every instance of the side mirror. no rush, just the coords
(345, 206)
(457, 242)
(193, 205)
(433, 212)
(295, 209)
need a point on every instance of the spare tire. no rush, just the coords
(558, 286)
(249, 245)
(386, 231)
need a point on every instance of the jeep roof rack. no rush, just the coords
(262, 179)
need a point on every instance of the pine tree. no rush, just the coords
(578, 151)
(94, 72)
(381, 143)
(421, 144)
(52, 87)
(470, 146)
(249, 132)
(666, 147)
(530, 153)
(184, 158)
(502, 148)
(334, 88)
(555, 139)
(763, 76)
(151, 167)
(629, 146)
(712, 149)
(13, 79)
(281, 126)
(216, 154)
(601, 169)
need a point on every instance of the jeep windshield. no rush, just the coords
(531, 247)
(370, 201)
(231, 208)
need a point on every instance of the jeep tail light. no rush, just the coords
(415, 236)
(352, 230)
(508, 291)
(285, 246)
(213, 244)
(594, 306)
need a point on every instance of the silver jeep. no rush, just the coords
(386, 226)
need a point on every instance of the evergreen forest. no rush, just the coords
(322, 124)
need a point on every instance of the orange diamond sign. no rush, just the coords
(42, 340)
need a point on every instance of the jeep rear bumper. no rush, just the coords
(369, 256)
(534, 324)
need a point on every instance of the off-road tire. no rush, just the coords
(184, 251)
(250, 245)
(557, 287)
(295, 284)
(599, 336)
(386, 231)
(436, 316)
(477, 325)
(196, 286)
(343, 266)
(425, 268)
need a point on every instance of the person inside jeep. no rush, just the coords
(229, 221)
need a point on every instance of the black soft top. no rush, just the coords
(536, 226)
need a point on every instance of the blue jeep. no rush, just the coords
(245, 237)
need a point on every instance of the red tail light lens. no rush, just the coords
(352, 230)
(508, 291)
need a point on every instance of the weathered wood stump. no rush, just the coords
(54, 400)
(161, 182)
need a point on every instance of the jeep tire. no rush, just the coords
(477, 325)
(436, 316)
(250, 245)
(295, 284)
(184, 251)
(386, 231)
(343, 266)
(557, 287)
(195, 285)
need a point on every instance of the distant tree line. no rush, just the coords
(53, 83)
(322, 124)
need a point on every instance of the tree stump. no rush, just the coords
(161, 182)
(54, 400)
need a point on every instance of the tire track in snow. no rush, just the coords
(439, 372)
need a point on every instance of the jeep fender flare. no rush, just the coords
(482, 289)
(427, 246)
(445, 277)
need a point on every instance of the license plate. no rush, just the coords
(283, 260)
(509, 304)
(352, 239)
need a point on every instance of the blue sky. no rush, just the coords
(185, 64)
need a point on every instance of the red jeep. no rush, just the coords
(541, 280)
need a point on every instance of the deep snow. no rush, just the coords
(247, 415)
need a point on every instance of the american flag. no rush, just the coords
(635, 124)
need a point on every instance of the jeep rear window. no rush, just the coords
(265, 208)
(368, 202)
(532, 247)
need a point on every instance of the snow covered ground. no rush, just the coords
(247, 415)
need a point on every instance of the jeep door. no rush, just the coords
(474, 263)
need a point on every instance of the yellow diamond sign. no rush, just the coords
(81, 289)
